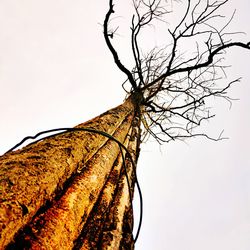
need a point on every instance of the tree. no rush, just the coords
(149, 80)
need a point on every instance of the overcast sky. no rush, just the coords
(55, 71)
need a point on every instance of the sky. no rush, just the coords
(56, 71)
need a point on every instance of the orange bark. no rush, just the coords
(48, 189)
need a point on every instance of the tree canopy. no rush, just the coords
(175, 82)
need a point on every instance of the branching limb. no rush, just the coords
(107, 37)
(177, 84)
(209, 61)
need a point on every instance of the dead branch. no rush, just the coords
(176, 85)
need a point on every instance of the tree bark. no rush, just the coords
(54, 192)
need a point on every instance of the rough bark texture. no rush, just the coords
(70, 191)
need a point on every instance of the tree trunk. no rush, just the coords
(71, 191)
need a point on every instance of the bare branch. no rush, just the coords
(176, 85)
(107, 37)
(201, 65)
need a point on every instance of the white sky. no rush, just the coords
(55, 71)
